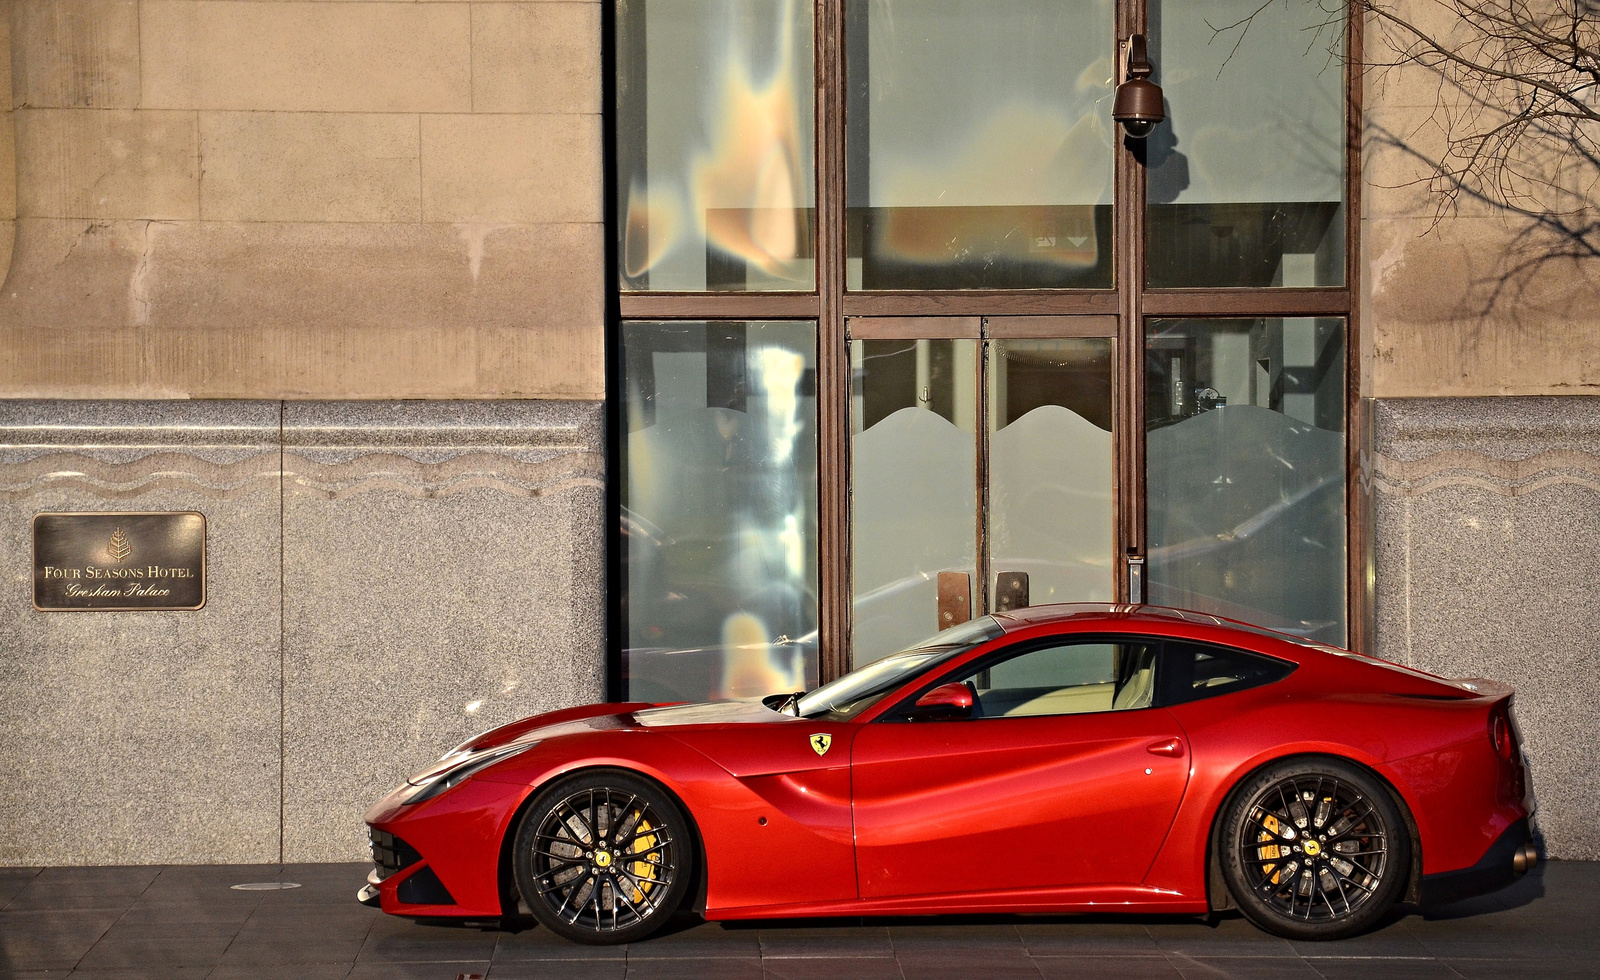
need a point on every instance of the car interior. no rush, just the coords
(1066, 679)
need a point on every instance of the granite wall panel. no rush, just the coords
(442, 575)
(1487, 516)
(142, 737)
(385, 579)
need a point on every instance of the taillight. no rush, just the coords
(1500, 734)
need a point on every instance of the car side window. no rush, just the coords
(1192, 671)
(1066, 679)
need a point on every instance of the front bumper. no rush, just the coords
(1507, 859)
(441, 857)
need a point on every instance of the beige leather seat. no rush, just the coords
(1139, 692)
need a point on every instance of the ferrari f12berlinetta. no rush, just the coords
(1059, 759)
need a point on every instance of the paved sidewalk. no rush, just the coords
(178, 923)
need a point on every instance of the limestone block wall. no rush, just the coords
(385, 579)
(1487, 511)
(1456, 300)
(8, 154)
(300, 199)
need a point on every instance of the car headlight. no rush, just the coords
(455, 767)
(465, 748)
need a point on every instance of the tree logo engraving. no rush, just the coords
(119, 549)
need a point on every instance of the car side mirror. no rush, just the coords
(944, 703)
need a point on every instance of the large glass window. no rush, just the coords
(719, 505)
(875, 266)
(715, 145)
(1245, 477)
(979, 144)
(1247, 175)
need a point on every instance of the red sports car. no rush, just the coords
(1057, 759)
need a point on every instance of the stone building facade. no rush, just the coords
(334, 273)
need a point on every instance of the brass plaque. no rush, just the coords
(106, 561)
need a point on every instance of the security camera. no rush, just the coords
(1138, 105)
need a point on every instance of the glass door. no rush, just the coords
(982, 469)
(1051, 508)
(915, 510)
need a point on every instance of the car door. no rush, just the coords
(1065, 774)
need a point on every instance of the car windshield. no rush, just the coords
(864, 687)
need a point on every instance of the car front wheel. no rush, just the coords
(1314, 849)
(603, 857)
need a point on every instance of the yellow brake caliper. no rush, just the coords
(643, 871)
(1271, 851)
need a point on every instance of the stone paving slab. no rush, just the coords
(185, 923)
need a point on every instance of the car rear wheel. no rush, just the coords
(603, 857)
(1314, 849)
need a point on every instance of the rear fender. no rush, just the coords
(1186, 859)
(1259, 727)
(1459, 807)
(1217, 895)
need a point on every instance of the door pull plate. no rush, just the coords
(955, 599)
(1010, 591)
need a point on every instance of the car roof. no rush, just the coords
(1156, 616)
(1163, 618)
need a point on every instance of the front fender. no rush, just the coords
(765, 839)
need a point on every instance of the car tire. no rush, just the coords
(603, 857)
(1314, 848)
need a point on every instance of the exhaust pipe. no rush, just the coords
(1525, 859)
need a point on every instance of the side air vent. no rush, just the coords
(424, 888)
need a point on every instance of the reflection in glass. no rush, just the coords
(715, 135)
(914, 500)
(978, 144)
(1245, 475)
(1050, 475)
(719, 507)
(1246, 176)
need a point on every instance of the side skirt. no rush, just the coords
(1086, 898)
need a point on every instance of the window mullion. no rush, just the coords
(833, 364)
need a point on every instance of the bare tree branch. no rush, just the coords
(1515, 92)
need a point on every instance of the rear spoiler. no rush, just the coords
(1483, 687)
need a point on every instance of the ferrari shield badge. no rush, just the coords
(821, 742)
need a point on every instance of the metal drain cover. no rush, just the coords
(265, 886)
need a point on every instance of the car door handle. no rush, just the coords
(1171, 746)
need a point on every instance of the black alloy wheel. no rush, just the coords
(603, 857)
(1314, 848)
